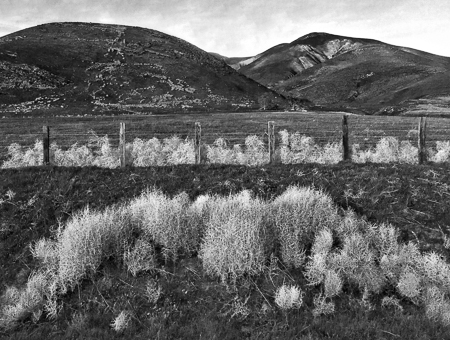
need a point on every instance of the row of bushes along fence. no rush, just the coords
(346, 149)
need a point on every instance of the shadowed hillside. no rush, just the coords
(352, 73)
(110, 67)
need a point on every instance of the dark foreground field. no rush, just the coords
(415, 199)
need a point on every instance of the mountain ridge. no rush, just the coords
(355, 74)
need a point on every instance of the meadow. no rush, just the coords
(299, 250)
(341, 251)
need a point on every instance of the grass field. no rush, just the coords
(234, 127)
(141, 281)
(177, 299)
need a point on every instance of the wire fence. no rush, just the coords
(366, 131)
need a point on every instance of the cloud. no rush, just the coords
(243, 28)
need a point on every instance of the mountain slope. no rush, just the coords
(111, 67)
(351, 73)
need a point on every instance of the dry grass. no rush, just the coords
(298, 214)
(293, 149)
(233, 244)
(234, 236)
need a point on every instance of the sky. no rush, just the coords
(236, 28)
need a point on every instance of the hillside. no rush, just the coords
(85, 66)
(352, 73)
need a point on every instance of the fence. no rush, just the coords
(346, 145)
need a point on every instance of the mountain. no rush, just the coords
(356, 74)
(74, 67)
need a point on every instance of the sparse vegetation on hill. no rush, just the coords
(353, 74)
(113, 68)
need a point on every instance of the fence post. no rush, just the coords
(198, 142)
(271, 135)
(346, 156)
(422, 138)
(46, 144)
(122, 145)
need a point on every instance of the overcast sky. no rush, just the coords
(245, 28)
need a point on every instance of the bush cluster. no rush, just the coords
(235, 237)
(293, 149)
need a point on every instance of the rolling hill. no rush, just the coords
(354, 74)
(79, 67)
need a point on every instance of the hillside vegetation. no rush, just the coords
(354, 74)
(80, 67)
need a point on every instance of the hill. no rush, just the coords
(88, 66)
(352, 73)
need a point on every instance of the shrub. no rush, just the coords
(166, 222)
(391, 301)
(442, 152)
(140, 258)
(298, 214)
(409, 284)
(19, 157)
(153, 291)
(288, 297)
(387, 150)
(121, 322)
(233, 244)
(29, 301)
(356, 262)
(219, 153)
(322, 306)
(88, 239)
(297, 148)
(332, 284)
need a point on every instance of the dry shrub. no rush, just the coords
(296, 148)
(219, 152)
(409, 284)
(387, 150)
(233, 244)
(32, 300)
(298, 214)
(121, 322)
(46, 252)
(322, 306)
(289, 297)
(140, 258)
(89, 238)
(442, 152)
(436, 271)
(18, 157)
(166, 222)
(356, 262)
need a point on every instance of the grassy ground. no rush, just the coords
(191, 304)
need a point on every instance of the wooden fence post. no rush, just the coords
(197, 143)
(271, 135)
(421, 142)
(346, 156)
(122, 146)
(46, 144)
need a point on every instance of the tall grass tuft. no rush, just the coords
(89, 238)
(233, 244)
(298, 214)
(166, 222)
